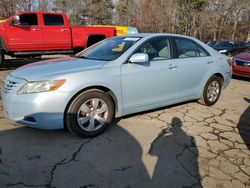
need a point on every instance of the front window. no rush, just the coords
(157, 49)
(109, 49)
(28, 19)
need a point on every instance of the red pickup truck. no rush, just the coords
(31, 34)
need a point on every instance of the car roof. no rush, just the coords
(148, 35)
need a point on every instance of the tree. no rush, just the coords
(203, 19)
(7, 8)
(188, 12)
(98, 11)
(73, 9)
(44, 5)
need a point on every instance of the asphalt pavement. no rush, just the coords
(184, 145)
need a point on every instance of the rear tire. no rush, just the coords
(89, 114)
(212, 91)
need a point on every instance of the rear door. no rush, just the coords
(27, 36)
(57, 34)
(194, 65)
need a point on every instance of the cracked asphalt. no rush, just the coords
(185, 145)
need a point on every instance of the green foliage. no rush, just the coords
(99, 11)
(182, 23)
(122, 8)
(124, 12)
(186, 10)
(192, 5)
(197, 4)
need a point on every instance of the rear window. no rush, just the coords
(53, 20)
(188, 48)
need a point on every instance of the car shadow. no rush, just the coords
(244, 125)
(241, 78)
(32, 157)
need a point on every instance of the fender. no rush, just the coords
(3, 40)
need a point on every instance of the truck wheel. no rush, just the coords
(1, 58)
(212, 91)
(89, 114)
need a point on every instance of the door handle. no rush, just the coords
(210, 62)
(64, 29)
(35, 29)
(172, 66)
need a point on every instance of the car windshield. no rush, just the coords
(211, 43)
(109, 49)
(224, 44)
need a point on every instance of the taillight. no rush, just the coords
(115, 31)
(230, 61)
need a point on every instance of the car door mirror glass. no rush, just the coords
(16, 20)
(139, 58)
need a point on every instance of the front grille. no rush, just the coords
(242, 63)
(9, 85)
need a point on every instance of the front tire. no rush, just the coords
(2, 58)
(89, 114)
(212, 91)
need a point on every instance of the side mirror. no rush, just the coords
(16, 20)
(139, 58)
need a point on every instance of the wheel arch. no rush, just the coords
(220, 76)
(96, 87)
(205, 81)
(3, 45)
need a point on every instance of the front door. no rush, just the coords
(151, 84)
(27, 36)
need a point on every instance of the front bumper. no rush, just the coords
(39, 110)
(241, 71)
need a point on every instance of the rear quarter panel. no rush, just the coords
(220, 65)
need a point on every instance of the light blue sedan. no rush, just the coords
(116, 77)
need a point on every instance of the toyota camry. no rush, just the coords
(116, 77)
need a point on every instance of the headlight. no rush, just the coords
(41, 86)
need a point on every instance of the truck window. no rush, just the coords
(53, 20)
(28, 19)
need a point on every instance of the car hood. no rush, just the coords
(243, 56)
(45, 69)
